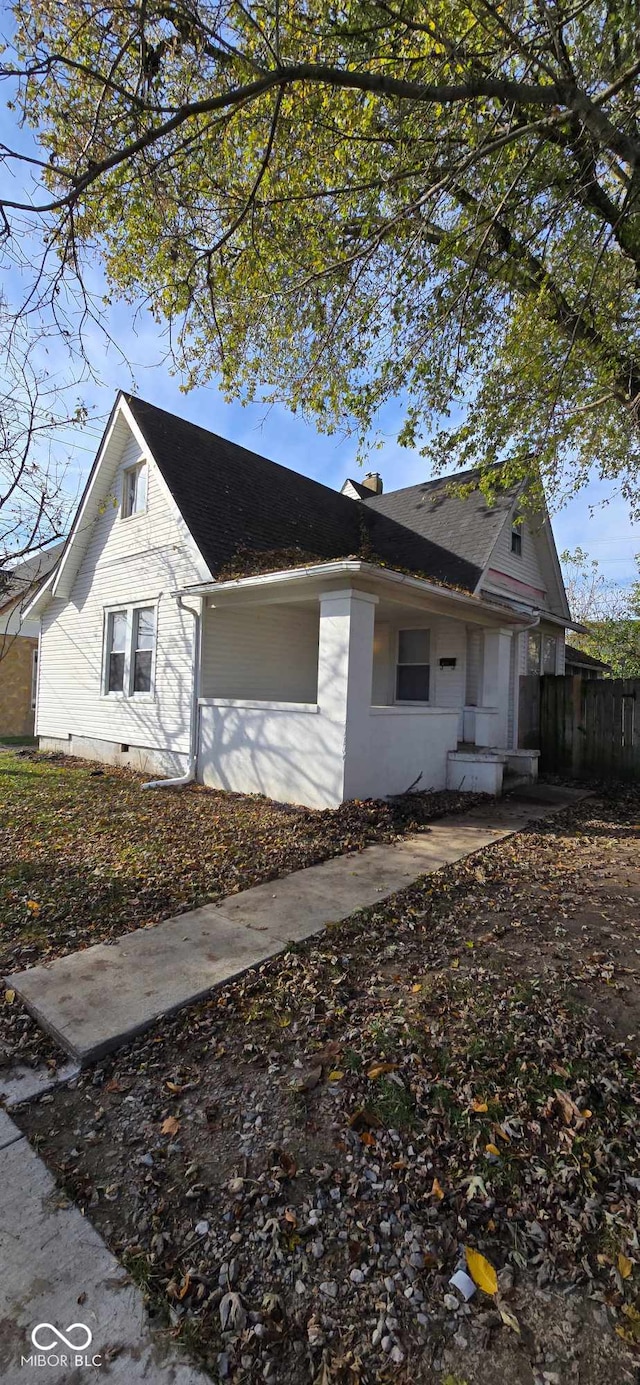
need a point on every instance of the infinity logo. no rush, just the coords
(60, 1336)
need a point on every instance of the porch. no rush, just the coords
(350, 681)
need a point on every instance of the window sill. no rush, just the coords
(413, 709)
(127, 697)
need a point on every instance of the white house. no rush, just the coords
(218, 616)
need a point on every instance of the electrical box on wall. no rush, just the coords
(448, 663)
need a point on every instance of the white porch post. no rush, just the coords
(345, 671)
(496, 679)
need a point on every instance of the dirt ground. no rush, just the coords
(294, 1169)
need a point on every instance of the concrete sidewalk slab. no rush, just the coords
(92, 1000)
(8, 1131)
(96, 1000)
(19, 1082)
(57, 1271)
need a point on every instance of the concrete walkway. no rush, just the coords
(96, 1000)
(58, 1273)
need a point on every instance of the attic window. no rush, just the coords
(134, 490)
(516, 540)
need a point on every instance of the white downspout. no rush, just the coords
(189, 777)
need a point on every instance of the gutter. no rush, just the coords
(189, 777)
(351, 567)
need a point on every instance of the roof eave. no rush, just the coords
(353, 568)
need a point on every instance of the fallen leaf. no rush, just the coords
(479, 1105)
(171, 1126)
(436, 1189)
(379, 1069)
(9, 997)
(336, 1075)
(233, 1315)
(33, 905)
(625, 1266)
(492, 1149)
(367, 1138)
(310, 1080)
(364, 1119)
(568, 1108)
(417, 987)
(481, 1271)
(509, 1319)
(184, 1287)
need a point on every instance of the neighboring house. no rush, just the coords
(577, 662)
(216, 615)
(19, 640)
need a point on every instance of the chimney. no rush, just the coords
(373, 482)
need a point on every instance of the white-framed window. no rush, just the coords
(134, 490)
(129, 651)
(412, 666)
(549, 650)
(34, 679)
(143, 644)
(516, 540)
(533, 651)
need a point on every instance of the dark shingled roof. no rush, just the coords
(17, 582)
(573, 655)
(467, 525)
(233, 499)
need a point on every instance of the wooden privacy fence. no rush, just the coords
(590, 727)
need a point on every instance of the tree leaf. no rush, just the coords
(379, 1069)
(625, 1266)
(509, 1319)
(171, 1126)
(481, 1271)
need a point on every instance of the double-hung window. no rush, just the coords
(412, 668)
(130, 638)
(116, 650)
(144, 637)
(549, 650)
(134, 490)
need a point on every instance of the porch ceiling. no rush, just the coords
(303, 586)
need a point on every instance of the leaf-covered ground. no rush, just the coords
(85, 855)
(295, 1169)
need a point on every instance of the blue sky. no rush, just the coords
(594, 520)
(602, 529)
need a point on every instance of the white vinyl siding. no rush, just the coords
(526, 567)
(269, 653)
(124, 564)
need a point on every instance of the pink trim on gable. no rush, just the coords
(515, 583)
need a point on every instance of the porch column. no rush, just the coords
(345, 671)
(496, 679)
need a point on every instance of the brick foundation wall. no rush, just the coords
(16, 663)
